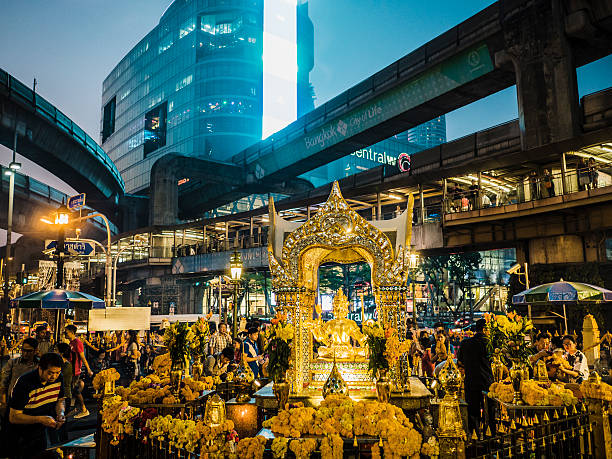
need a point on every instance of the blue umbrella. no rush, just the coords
(563, 292)
(58, 299)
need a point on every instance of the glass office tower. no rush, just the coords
(429, 134)
(194, 84)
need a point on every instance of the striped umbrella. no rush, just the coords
(563, 292)
(58, 299)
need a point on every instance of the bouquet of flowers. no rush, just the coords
(278, 346)
(507, 335)
(177, 338)
(384, 346)
(201, 335)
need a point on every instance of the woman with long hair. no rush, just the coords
(132, 356)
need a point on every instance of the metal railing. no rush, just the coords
(565, 436)
(532, 188)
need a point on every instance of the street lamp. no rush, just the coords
(413, 266)
(20, 128)
(62, 218)
(236, 273)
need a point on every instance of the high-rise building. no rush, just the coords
(429, 134)
(197, 84)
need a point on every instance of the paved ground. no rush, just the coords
(76, 428)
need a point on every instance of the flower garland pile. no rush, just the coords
(431, 447)
(596, 389)
(108, 375)
(535, 393)
(279, 447)
(339, 416)
(162, 364)
(153, 389)
(251, 448)
(278, 338)
(118, 418)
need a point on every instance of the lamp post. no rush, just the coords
(236, 273)
(413, 266)
(62, 218)
(108, 265)
(10, 171)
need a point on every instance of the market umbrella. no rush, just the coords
(58, 299)
(562, 293)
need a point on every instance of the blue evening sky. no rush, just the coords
(69, 46)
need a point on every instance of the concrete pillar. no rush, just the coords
(564, 186)
(590, 336)
(538, 50)
(163, 207)
(422, 202)
(479, 194)
(445, 204)
(226, 235)
(378, 207)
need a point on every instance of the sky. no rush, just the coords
(70, 46)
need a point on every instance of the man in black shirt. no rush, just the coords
(37, 404)
(474, 358)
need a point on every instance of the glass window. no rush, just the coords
(108, 123)
(155, 128)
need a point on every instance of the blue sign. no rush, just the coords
(76, 202)
(73, 247)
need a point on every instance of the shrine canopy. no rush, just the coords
(337, 233)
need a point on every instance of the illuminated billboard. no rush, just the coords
(279, 65)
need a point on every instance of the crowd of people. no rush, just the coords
(432, 348)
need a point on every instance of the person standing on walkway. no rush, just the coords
(44, 340)
(474, 358)
(78, 360)
(17, 367)
(36, 405)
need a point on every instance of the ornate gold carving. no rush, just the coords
(336, 233)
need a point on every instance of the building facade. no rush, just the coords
(194, 84)
(429, 134)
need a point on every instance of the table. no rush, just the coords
(418, 397)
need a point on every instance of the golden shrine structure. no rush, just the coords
(336, 233)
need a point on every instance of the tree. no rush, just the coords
(433, 268)
(459, 268)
